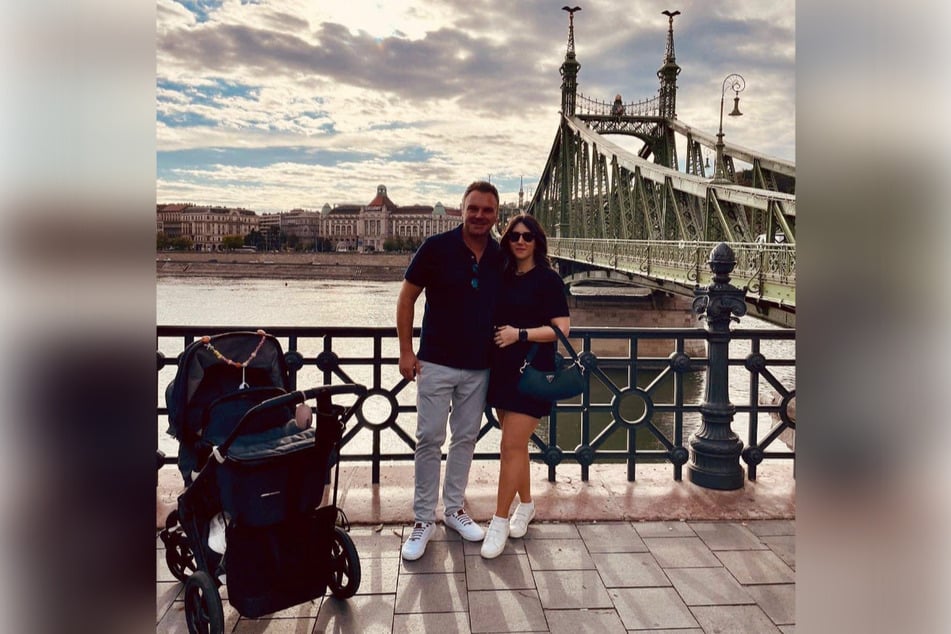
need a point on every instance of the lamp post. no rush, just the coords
(736, 83)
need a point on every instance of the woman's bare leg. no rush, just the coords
(514, 472)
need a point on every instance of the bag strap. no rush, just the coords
(564, 340)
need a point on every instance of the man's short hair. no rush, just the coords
(481, 186)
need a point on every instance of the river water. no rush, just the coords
(263, 303)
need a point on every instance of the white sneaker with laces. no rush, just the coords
(495, 537)
(415, 546)
(524, 513)
(463, 524)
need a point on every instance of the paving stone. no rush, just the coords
(442, 622)
(726, 536)
(737, 619)
(364, 614)
(681, 552)
(691, 630)
(572, 589)
(756, 566)
(304, 610)
(611, 537)
(506, 611)
(708, 586)
(558, 554)
(274, 626)
(777, 601)
(663, 529)
(764, 528)
(165, 593)
(784, 546)
(378, 575)
(431, 593)
(584, 622)
(564, 530)
(651, 608)
(510, 572)
(629, 570)
(440, 556)
(372, 544)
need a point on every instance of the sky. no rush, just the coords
(273, 105)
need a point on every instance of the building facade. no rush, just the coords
(345, 227)
(205, 226)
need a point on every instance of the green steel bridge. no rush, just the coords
(645, 218)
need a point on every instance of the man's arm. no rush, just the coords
(405, 310)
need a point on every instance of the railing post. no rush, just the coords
(715, 448)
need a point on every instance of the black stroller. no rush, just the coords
(245, 463)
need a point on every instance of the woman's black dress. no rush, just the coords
(524, 301)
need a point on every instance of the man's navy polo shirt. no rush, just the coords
(460, 299)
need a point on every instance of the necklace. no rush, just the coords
(520, 273)
(207, 341)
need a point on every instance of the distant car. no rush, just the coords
(780, 237)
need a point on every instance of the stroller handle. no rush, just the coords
(322, 393)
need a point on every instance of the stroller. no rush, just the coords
(230, 409)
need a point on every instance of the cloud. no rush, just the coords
(470, 89)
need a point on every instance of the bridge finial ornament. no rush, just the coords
(670, 57)
(571, 27)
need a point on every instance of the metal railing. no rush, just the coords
(637, 408)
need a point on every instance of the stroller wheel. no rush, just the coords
(344, 565)
(203, 611)
(178, 555)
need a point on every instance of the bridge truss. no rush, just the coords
(643, 223)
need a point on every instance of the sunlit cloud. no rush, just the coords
(281, 104)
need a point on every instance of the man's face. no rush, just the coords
(479, 213)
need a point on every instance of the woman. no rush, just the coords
(530, 300)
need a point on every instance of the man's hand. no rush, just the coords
(409, 366)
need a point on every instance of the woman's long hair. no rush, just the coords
(541, 242)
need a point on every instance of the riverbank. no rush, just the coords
(375, 267)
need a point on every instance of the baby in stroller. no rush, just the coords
(255, 471)
(217, 530)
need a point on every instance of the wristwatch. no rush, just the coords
(522, 335)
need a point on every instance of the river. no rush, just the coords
(267, 302)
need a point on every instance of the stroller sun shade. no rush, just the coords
(216, 366)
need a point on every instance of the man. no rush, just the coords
(460, 271)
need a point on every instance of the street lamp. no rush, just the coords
(736, 83)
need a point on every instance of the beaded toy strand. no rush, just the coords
(207, 341)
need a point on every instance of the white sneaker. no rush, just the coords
(216, 533)
(463, 524)
(495, 537)
(415, 546)
(524, 513)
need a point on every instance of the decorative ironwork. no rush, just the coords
(714, 448)
(596, 423)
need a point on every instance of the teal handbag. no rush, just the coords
(565, 381)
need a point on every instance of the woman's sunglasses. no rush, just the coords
(527, 236)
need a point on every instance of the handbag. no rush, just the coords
(565, 381)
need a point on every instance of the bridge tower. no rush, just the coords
(569, 93)
(665, 151)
